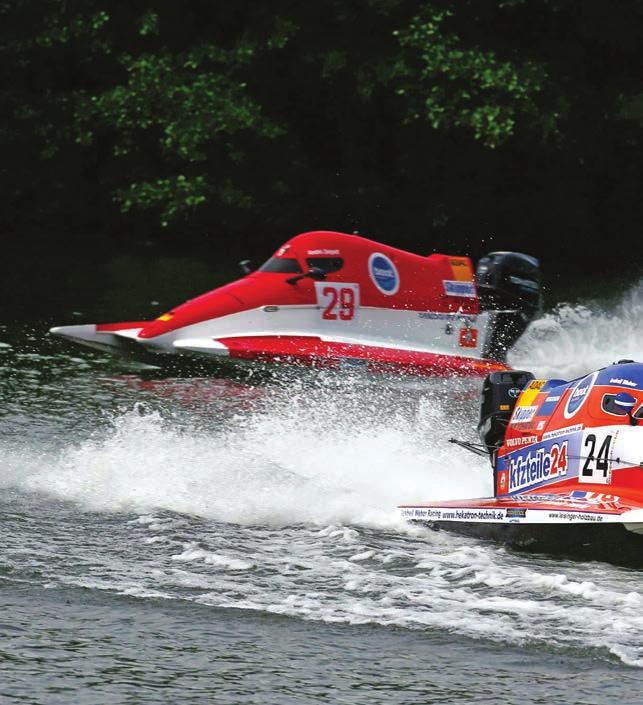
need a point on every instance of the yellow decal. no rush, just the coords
(165, 317)
(461, 268)
(533, 389)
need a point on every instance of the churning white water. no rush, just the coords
(575, 339)
(283, 500)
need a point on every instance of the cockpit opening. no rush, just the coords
(327, 264)
(622, 404)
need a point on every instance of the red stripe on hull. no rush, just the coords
(314, 352)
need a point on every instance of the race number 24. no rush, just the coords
(338, 302)
(596, 458)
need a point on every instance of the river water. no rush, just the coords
(232, 537)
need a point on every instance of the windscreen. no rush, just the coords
(283, 265)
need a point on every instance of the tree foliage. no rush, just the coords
(450, 84)
(375, 114)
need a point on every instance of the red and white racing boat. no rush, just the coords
(568, 466)
(330, 299)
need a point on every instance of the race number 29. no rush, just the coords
(338, 302)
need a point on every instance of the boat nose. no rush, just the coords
(203, 308)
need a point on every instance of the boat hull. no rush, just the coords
(334, 300)
(296, 349)
(612, 542)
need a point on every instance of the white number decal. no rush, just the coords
(338, 302)
(595, 458)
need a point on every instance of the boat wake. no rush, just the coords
(282, 500)
(337, 455)
(576, 338)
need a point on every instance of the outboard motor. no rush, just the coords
(509, 289)
(500, 391)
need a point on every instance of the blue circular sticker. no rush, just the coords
(383, 273)
(579, 395)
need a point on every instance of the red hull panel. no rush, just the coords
(596, 501)
(314, 352)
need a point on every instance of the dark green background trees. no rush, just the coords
(455, 125)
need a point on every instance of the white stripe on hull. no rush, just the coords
(632, 519)
(386, 328)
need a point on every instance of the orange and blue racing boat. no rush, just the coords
(567, 463)
(329, 299)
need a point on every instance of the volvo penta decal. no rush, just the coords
(579, 394)
(383, 273)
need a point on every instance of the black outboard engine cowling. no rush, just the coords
(500, 391)
(509, 288)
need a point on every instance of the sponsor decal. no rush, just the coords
(421, 513)
(579, 395)
(623, 382)
(433, 316)
(567, 430)
(600, 500)
(282, 251)
(383, 274)
(444, 514)
(459, 288)
(573, 502)
(516, 513)
(521, 441)
(323, 252)
(524, 414)
(546, 498)
(503, 480)
(575, 516)
(468, 338)
(475, 514)
(536, 466)
(514, 392)
(549, 405)
(528, 397)
(461, 269)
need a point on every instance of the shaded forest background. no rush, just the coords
(230, 125)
